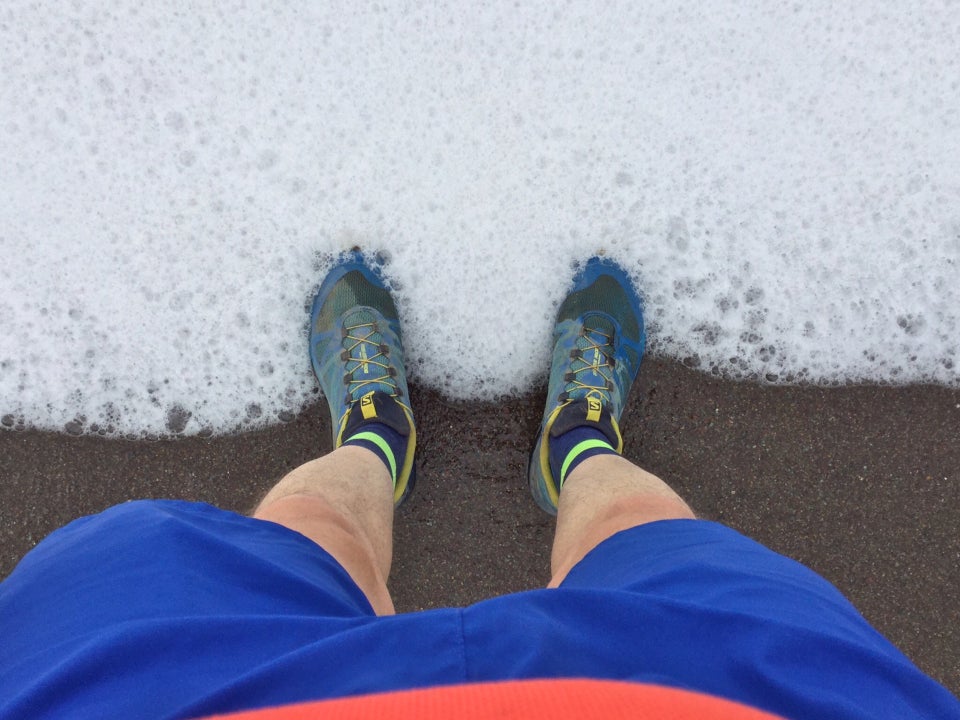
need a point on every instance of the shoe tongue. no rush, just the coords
(381, 408)
(582, 413)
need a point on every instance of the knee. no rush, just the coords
(302, 512)
(618, 514)
(632, 510)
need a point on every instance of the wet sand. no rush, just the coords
(862, 484)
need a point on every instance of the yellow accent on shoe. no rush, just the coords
(594, 406)
(552, 490)
(403, 476)
(367, 407)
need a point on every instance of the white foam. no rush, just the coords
(783, 182)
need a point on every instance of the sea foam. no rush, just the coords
(782, 182)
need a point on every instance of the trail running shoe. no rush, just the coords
(598, 342)
(357, 356)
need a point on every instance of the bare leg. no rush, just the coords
(344, 503)
(602, 496)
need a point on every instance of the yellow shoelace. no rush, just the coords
(370, 354)
(600, 363)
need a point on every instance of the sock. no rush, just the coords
(582, 430)
(573, 447)
(384, 430)
(389, 445)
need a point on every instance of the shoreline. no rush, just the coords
(859, 482)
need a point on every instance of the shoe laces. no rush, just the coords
(592, 362)
(366, 358)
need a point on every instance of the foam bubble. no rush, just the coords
(781, 182)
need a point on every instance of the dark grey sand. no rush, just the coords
(860, 483)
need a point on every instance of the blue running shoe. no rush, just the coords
(598, 342)
(357, 356)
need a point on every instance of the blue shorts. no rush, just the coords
(173, 609)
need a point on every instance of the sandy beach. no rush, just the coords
(862, 484)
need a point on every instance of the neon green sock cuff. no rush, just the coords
(375, 442)
(580, 452)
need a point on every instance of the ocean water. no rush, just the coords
(781, 180)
